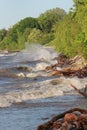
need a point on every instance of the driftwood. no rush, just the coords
(76, 66)
(82, 93)
(50, 125)
(81, 73)
(76, 62)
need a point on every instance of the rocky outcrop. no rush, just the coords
(74, 119)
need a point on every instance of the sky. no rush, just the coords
(12, 11)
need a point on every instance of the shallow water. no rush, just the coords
(28, 96)
(27, 116)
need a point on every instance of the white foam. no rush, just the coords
(41, 66)
(42, 89)
(7, 54)
(36, 52)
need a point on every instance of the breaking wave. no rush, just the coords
(40, 90)
(35, 53)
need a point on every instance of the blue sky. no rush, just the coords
(12, 11)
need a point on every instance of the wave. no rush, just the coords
(28, 69)
(41, 90)
(7, 54)
(35, 53)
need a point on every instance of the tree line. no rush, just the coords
(66, 32)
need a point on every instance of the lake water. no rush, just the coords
(28, 95)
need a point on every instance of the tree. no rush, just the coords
(49, 18)
(28, 22)
(66, 32)
(3, 33)
(81, 17)
(37, 36)
(71, 32)
(18, 34)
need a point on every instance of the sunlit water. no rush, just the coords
(28, 95)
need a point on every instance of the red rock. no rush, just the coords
(56, 125)
(70, 117)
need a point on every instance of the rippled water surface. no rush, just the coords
(28, 95)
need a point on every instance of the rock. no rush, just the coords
(70, 117)
(78, 62)
(67, 121)
(76, 66)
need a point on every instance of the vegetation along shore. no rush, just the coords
(67, 33)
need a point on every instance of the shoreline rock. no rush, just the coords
(76, 66)
(74, 119)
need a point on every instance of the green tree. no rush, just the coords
(81, 17)
(66, 33)
(71, 32)
(37, 36)
(28, 22)
(3, 33)
(49, 18)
